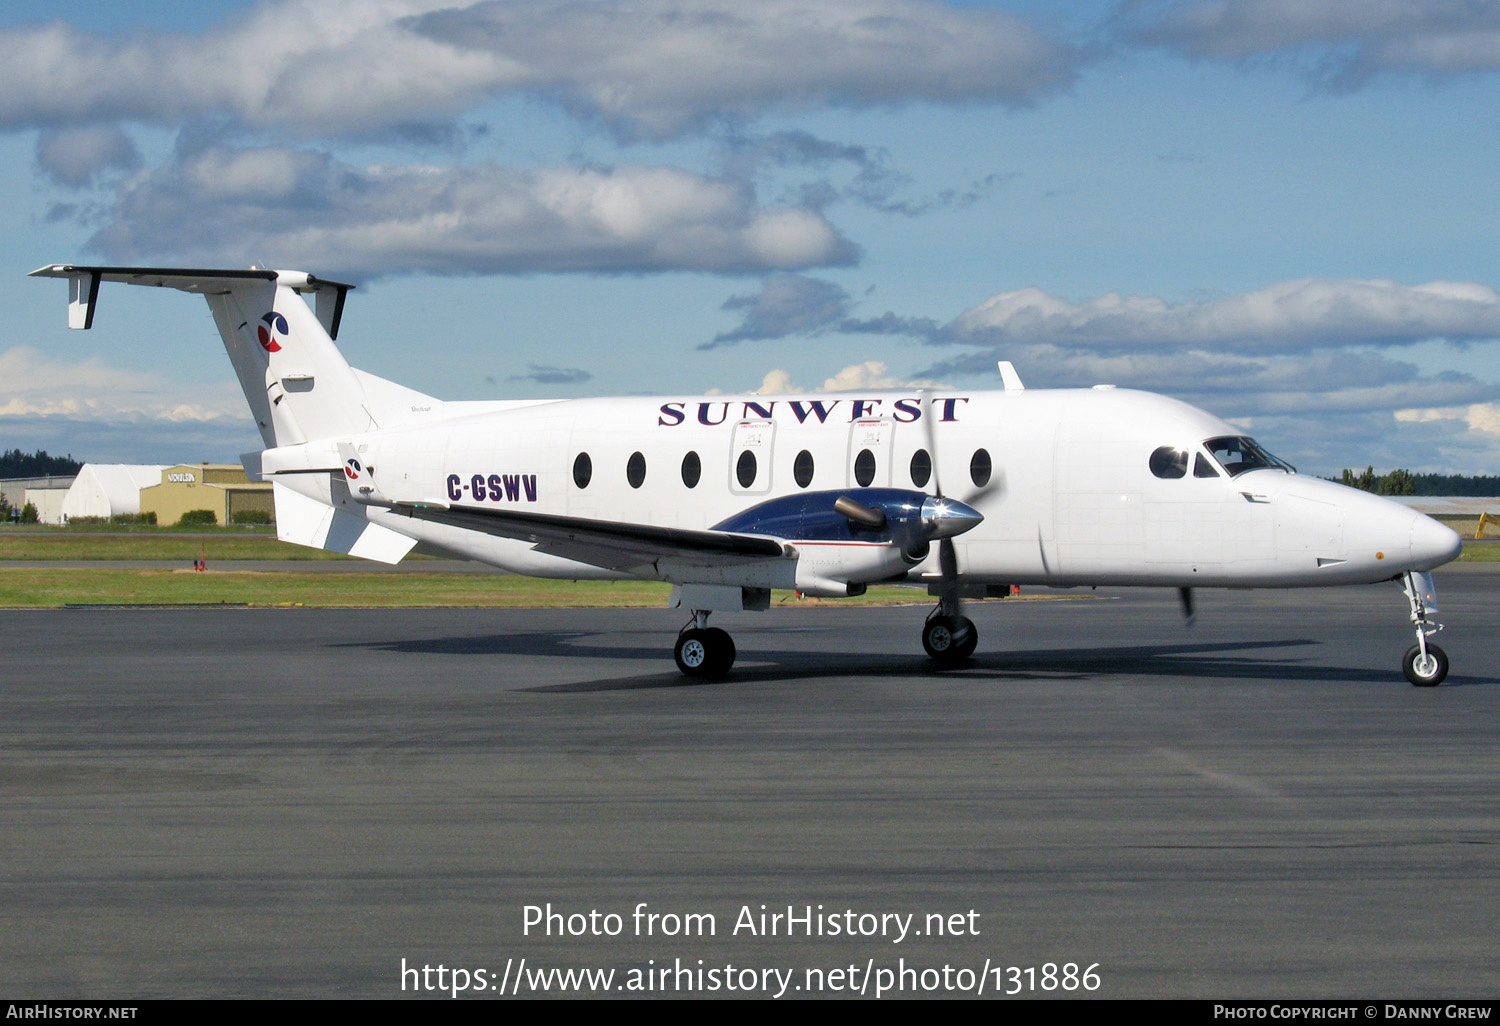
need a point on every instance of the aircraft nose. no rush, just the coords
(1432, 543)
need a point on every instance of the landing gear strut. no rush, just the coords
(1425, 664)
(949, 639)
(703, 651)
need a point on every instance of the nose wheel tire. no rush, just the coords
(1428, 671)
(706, 653)
(949, 640)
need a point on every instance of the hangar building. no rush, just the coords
(221, 487)
(107, 489)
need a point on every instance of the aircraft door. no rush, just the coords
(869, 459)
(750, 457)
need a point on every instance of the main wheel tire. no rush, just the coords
(706, 654)
(1425, 673)
(968, 636)
(693, 653)
(722, 650)
(949, 640)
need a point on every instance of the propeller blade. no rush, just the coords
(929, 434)
(948, 561)
(1185, 596)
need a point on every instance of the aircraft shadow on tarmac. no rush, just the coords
(1206, 662)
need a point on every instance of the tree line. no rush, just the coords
(15, 463)
(1404, 482)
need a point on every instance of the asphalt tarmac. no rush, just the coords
(298, 803)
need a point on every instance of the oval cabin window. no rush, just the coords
(980, 468)
(921, 468)
(802, 469)
(744, 469)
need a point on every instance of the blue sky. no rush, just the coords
(1284, 212)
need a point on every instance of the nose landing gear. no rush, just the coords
(1425, 664)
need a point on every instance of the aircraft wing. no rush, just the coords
(603, 543)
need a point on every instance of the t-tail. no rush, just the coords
(299, 387)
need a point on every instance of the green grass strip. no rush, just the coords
(53, 588)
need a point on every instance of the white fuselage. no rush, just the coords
(1071, 497)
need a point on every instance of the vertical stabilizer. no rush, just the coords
(297, 383)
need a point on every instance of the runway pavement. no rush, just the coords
(289, 803)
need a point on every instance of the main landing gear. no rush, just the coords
(1425, 664)
(949, 638)
(703, 651)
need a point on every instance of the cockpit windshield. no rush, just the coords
(1237, 454)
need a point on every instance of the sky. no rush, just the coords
(1283, 211)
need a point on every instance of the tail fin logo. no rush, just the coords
(273, 324)
(352, 469)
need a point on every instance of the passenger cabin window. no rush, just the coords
(635, 470)
(864, 468)
(1238, 454)
(583, 470)
(744, 469)
(692, 469)
(802, 469)
(980, 468)
(1169, 462)
(921, 468)
(1203, 466)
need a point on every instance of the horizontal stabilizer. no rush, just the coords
(83, 286)
(304, 521)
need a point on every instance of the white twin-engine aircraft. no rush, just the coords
(728, 497)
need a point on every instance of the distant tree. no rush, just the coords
(1458, 484)
(15, 463)
(29, 514)
(1398, 482)
(5, 507)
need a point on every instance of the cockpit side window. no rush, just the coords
(1238, 454)
(1169, 462)
(1203, 466)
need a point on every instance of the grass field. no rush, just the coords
(151, 543)
(53, 588)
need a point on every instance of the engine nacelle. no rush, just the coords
(849, 538)
(841, 569)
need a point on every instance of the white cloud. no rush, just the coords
(74, 156)
(869, 376)
(1480, 417)
(1345, 44)
(646, 67)
(786, 304)
(1290, 316)
(304, 208)
(91, 390)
